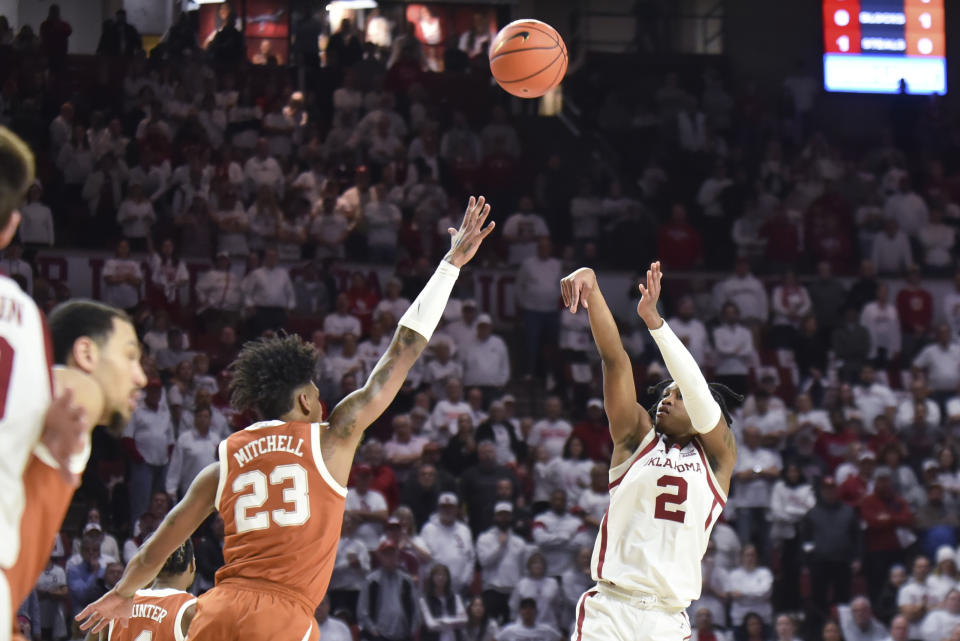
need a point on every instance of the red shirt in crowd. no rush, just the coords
(783, 239)
(833, 447)
(596, 439)
(852, 490)
(915, 309)
(883, 517)
(679, 245)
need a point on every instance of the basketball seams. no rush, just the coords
(536, 73)
(506, 53)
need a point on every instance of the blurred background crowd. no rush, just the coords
(232, 200)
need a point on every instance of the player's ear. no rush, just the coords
(303, 403)
(85, 353)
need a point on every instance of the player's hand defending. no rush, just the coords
(64, 432)
(465, 241)
(649, 296)
(577, 287)
(110, 607)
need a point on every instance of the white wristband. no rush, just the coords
(702, 408)
(424, 313)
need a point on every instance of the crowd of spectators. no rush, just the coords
(475, 500)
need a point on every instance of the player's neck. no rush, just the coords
(679, 441)
(165, 584)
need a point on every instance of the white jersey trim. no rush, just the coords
(321, 466)
(306, 637)
(159, 593)
(222, 451)
(178, 622)
(263, 424)
(618, 472)
(711, 478)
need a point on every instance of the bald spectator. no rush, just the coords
(421, 491)
(704, 628)
(899, 629)
(858, 623)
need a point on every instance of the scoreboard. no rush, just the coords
(870, 46)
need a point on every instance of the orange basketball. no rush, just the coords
(528, 58)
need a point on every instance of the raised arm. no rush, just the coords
(357, 411)
(629, 421)
(705, 414)
(179, 524)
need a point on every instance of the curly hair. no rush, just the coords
(179, 561)
(267, 371)
(720, 392)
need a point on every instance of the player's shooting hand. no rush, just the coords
(110, 607)
(649, 296)
(465, 241)
(64, 432)
(577, 287)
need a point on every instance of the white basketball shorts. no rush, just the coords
(603, 617)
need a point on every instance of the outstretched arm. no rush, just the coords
(704, 411)
(357, 411)
(629, 421)
(181, 522)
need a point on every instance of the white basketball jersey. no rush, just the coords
(663, 505)
(26, 389)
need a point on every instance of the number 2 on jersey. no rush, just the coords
(667, 498)
(296, 494)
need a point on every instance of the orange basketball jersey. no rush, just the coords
(157, 616)
(281, 510)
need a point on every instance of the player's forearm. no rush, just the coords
(604, 328)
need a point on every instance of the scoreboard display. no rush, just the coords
(870, 46)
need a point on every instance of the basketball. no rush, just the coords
(528, 58)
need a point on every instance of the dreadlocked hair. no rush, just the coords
(267, 371)
(179, 561)
(720, 392)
